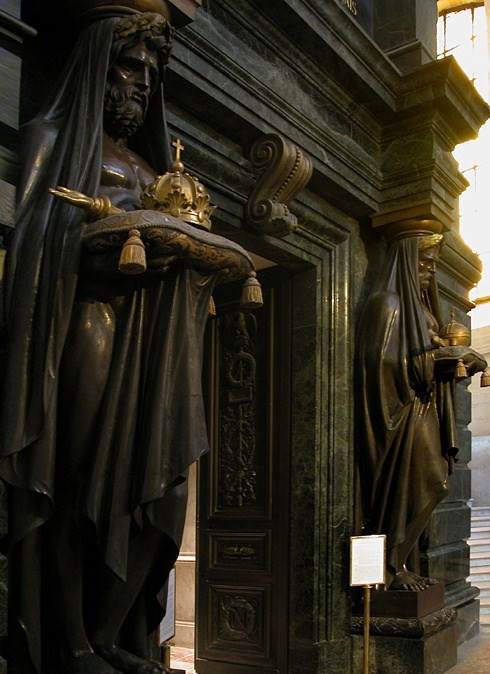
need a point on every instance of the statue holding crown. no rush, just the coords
(407, 365)
(102, 409)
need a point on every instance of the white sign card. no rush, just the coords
(367, 560)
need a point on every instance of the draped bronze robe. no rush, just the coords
(406, 428)
(152, 424)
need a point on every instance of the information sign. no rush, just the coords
(367, 560)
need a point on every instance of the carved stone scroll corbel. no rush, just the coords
(283, 171)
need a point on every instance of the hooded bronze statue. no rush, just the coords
(102, 409)
(406, 419)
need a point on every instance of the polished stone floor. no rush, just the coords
(473, 657)
(183, 658)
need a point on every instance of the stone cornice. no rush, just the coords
(331, 36)
(443, 86)
(379, 141)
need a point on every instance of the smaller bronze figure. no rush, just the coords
(407, 443)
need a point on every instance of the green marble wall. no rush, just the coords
(380, 144)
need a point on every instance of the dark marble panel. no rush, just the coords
(363, 12)
(3, 605)
(12, 7)
(8, 165)
(404, 23)
(463, 402)
(464, 443)
(7, 197)
(460, 484)
(10, 90)
(3, 510)
(394, 26)
(432, 654)
(460, 593)
(449, 523)
(449, 563)
(332, 657)
(468, 621)
(303, 469)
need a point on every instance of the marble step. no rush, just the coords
(479, 545)
(484, 585)
(479, 532)
(479, 510)
(479, 559)
(478, 582)
(480, 521)
(476, 578)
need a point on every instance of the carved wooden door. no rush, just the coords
(242, 573)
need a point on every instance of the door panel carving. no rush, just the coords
(243, 505)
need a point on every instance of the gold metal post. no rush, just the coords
(367, 619)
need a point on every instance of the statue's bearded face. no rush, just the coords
(130, 84)
(427, 265)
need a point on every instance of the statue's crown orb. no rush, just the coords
(455, 333)
(179, 194)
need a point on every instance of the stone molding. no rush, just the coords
(405, 627)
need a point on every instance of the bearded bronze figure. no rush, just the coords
(102, 409)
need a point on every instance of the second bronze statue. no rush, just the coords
(407, 439)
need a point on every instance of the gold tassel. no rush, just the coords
(460, 372)
(212, 307)
(251, 293)
(485, 378)
(133, 257)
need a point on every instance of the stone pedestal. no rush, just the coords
(411, 633)
(431, 654)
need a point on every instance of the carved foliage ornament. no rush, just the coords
(238, 472)
(283, 171)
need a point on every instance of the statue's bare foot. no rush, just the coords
(126, 662)
(407, 581)
(88, 663)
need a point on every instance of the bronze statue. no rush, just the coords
(407, 442)
(102, 411)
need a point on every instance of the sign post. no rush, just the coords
(367, 568)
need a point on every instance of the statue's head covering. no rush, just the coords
(86, 11)
(78, 13)
(62, 145)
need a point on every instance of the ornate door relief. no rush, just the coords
(243, 501)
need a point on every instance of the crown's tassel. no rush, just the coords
(485, 378)
(212, 307)
(133, 257)
(251, 293)
(460, 372)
